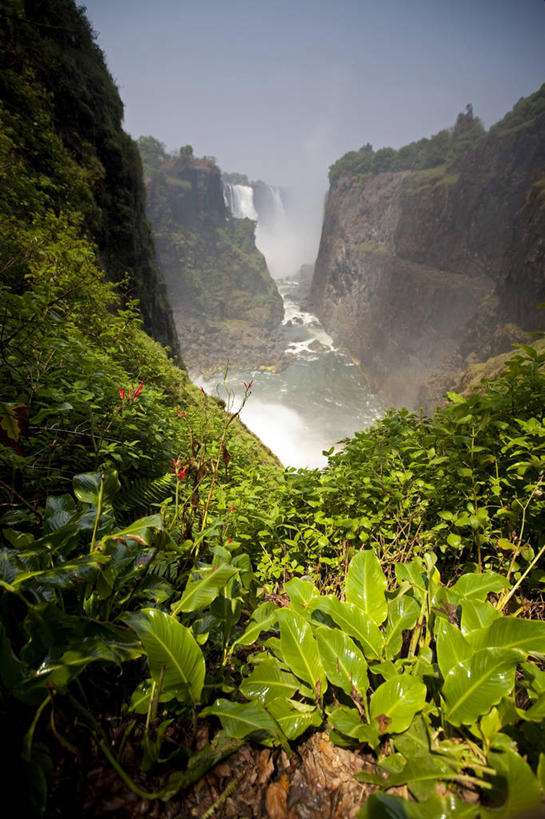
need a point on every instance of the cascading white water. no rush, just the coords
(240, 201)
(264, 204)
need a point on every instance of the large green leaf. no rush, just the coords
(343, 661)
(403, 613)
(477, 615)
(353, 621)
(300, 650)
(142, 530)
(268, 681)
(293, 717)
(475, 684)
(512, 632)
(300, 591)
(263, 619)
(249, 719)
(478, 586)
(365, 585)
(65, 575)
(201, 592)
(386, 806)
(395, 703)
(517, 784)
(87, 486)
(349, 722)
(173, 654)
(452, 647)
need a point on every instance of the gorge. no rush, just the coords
(432, 257)
(187, 628)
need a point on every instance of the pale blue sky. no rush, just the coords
(279, 89)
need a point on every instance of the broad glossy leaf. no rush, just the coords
(421, 775)
(516, 782)
(200, 593)
(263, 619)
(474, 685)
(293, 717)
(268, 681)
(300, 591)
(512, 632)
(415, 741)
(414, 574)
(349, 722)
(143, 529)
(80, 570)
(386, 806)
(395, 703)
(353, 621)
(343, 661)
(477, 586)
(365, 585)
(403, 613)
(452, 647)
(59, 511)
(477, 615)
(174, 656)
(87, 486)
(300, 650)
(246, 719)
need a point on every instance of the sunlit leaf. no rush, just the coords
(200, 593)
(403, 613)
(268, 681)
(176, 661)
(395, 703)
(365, 585)
(451, 645)
(249, 719)
(354, 622)
(300, 650)
(293, 717)
(475, 684)
(343, 661)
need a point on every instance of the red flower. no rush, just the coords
(249, 386)
(131, 393)
(178, 469)
(202, 390)
(231, 507)
(182, 414)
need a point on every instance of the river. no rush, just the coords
(318, 400)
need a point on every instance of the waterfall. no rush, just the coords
(264, 204)
(240, 201)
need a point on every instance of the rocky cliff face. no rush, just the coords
(54, 44)
(423, 272)
(225, 303)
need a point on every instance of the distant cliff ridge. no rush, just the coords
(224, 301)
(433, 257)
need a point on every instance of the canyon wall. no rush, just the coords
(224, 301)
(423, 271)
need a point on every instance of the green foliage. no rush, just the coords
(211, 261)
(442, 710)
(442, 148)
(467, 483)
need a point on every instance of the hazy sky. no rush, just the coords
(279, 89)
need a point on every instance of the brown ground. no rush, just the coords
(316, 782)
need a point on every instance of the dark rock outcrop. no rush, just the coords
(423, 272)
(224, 301)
